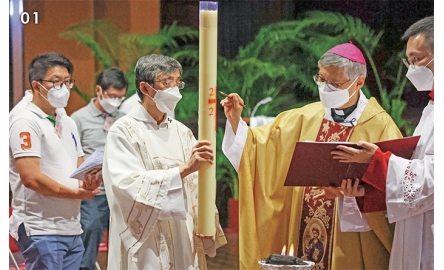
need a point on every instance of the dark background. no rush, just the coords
(240, 20)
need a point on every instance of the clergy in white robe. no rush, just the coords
(408, 183)
(150, 175)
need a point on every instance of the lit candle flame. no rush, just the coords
(291, 251)
(284, 249)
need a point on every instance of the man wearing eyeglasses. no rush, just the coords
(134, 99)
(408, 184)
(44, 149)
(150, 174)
(93, 122)
(273, 215)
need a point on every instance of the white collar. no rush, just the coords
(140, 113)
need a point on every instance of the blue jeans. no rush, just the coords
(50, 252)
(94, 218)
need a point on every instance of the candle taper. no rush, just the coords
(226, 95)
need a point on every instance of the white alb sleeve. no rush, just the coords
(174, 204)
(233, 144)
(350, 218)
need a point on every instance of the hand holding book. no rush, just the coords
(362, 154)
(92, 181)
(312, 163)
(349, 187)
(91, 166)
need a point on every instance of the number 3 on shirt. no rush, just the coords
(26, 140)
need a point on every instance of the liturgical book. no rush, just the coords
(92, 165)
(312, 163)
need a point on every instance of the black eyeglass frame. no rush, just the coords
(59, 83)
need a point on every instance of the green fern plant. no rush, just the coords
(100, 37)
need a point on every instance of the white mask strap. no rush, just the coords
(153, 89)
(430, 61)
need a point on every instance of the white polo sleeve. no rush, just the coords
(25, 138)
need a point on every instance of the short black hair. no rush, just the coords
(423, 26)
(39, 65)
(112, 77)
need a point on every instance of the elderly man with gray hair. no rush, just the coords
(272, 215)
(150, 173)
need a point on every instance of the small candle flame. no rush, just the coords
(291, 251)
(284, 249)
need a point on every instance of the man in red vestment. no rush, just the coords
(408, 184)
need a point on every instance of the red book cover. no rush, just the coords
(313, 165)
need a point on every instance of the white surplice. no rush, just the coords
(410, 200)
(153, 212)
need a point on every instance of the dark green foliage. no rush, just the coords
(297, 45)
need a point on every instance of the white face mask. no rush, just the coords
(166, 100)
(58, 98)
(110, 105)
(334, 98)
(421, 77)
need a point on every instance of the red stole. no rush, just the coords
(319, 215)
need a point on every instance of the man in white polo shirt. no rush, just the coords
(44, 149)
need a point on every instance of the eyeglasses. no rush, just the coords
(56, 84)
(409, 63)
(319, 80)
(106, 95)
(171, 83)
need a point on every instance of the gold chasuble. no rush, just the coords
(272, 215)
